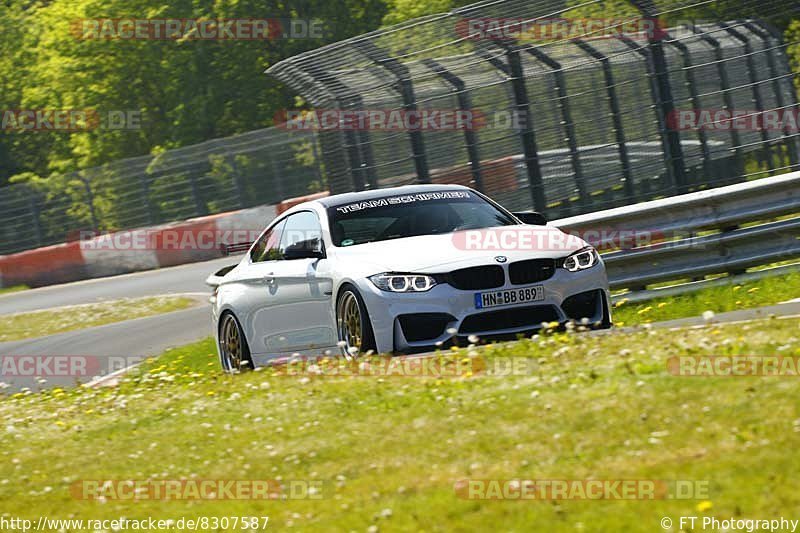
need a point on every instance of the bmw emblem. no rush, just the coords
(501, 258)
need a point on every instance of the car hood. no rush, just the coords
(443, 253)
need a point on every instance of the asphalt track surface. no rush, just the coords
(124, 343)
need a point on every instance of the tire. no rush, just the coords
(352, 323)
(234, 352)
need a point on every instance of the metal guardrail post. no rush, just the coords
(566, 119)
(522, 109)
(666, 146)
(358, 147)
(666, 101)
(754, 84)
(691, 86)
(199, 206)
(148, 205)
(528, 133)
(613, 102)
(725, 87)
(791, 92)
(90, 202)
(465, 103)
(36, 213)
(764, 35)
(406, 90)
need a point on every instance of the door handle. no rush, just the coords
(269, 279)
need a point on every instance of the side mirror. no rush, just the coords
(531, 217)
(311, 249)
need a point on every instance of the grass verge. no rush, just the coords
(766, 291)
(26, 325)
(389, 451)
(15, 288)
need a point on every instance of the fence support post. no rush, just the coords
(754, 83)
(663, 127)
(90, 202)
(725, 87)
(36, 213)
(523, 117)
(665, 100)
(465, 103)
(691, 85)
(359, 149)
(406, 89)
(788, 140)
(566, 119)
(613, 102)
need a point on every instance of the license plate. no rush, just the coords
(521, 295)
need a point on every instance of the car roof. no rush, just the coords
(373, 194)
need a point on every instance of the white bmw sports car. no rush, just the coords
(398, 271)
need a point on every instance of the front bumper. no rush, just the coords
(411, 322)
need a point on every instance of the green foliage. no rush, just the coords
(186, 91)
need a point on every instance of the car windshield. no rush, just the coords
(411, 215)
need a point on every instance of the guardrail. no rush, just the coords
(737, 225)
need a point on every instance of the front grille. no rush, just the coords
(531, 271)
(477, 278)
(514, 318)
(424, 326)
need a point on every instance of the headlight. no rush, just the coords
(581, 260)
(403, 282)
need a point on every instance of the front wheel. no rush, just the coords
(353, 324)
(233, 349)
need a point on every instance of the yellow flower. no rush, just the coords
(704, 506)
(645, 310)
(736, 288)
(662, 304)
(210, 393)
(750, 291)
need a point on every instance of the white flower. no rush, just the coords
(473, 339)
(264, 385)
(708, 315)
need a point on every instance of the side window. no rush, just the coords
(266, 248)
(302, 232)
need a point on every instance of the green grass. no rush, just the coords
(389, 451)
(15, 288)
(719, 299)
(26, 325)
